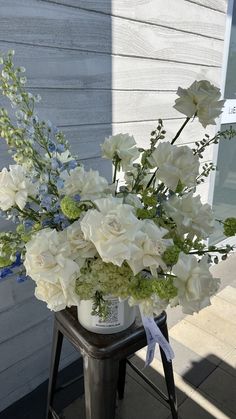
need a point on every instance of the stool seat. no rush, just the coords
(104, 358)
(116, 345)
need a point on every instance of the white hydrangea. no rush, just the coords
(175, 164)
(89, 185)
(194, 282)
(152, 246)
(15, 187)
(201, 99)
(48, 258)
(113, 229)
(191, 216)
(122, 145)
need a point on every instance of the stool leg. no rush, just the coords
(169, 377)
(55, 359)
(121, 379)
(100, 382)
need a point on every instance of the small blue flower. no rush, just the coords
(46, 222)
(46, 202)
(60, 183)
(22, 278)
(55, 164)
(52, 146)
(5, 272)
(65, 224)
(28, 223)
(72, 164)
(17, 262)
(60, 148)
(77, 197)
(43, 188)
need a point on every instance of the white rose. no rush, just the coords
(15, 187)
(175, 164)
(149, 306)
(56, 296)
(194, 283)
(122, 145)
(113, 229)
(152, 246)
(89, 185)
(201, 99)
(191, 216)
(133, 199)
(48, 258)
(80, 248)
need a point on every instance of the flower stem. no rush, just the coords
(180, 130)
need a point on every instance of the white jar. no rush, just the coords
(120, 316)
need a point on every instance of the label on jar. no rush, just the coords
(115, 316)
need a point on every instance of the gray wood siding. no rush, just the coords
(101, 66)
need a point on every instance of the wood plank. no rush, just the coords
(19, 375)
(54, 25)
(83, 107)
(26, 343)
(58, 68)
(20, 314)
(220, 5)
(181, 15)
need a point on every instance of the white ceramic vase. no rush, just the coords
(120, 316)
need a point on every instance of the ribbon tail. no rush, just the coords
(154, 334)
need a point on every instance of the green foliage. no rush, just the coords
(230, 226)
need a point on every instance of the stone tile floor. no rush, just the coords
(204, 364)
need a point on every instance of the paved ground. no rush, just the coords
(204, 364)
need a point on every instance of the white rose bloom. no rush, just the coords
(200, 99)
(194, 283)
(15, 187)
(134, 200)
(80, 248)
(191, 216)
(48, 258)
(152, 246)
(55, 295)
(113, 229)
(122, 145)
(175, 164)
(89, 185)
(149, 306)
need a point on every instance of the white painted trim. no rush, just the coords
(228, 26)
(231, 240)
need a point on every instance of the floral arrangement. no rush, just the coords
(141, 238)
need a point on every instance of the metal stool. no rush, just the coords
(105, 358)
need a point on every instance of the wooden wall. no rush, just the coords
(101, 66)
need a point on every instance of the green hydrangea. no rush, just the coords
(165, 288)
(141, 288)
(171, 255)
(70, 208)
(106, 278)
(230, 227)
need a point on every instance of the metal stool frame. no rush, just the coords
(105, 358)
